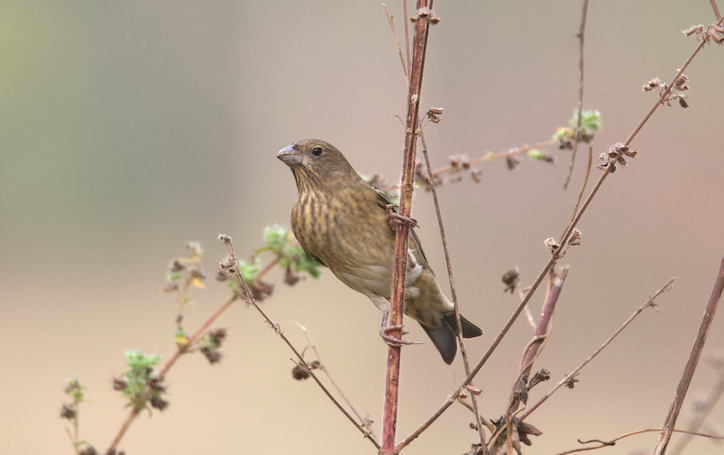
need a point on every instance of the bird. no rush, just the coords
(343, 222)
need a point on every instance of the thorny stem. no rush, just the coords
(459, 332)
(690, 368)
(572, 374)
(392, 383)
(581, 35)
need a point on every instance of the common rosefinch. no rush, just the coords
(342, 221)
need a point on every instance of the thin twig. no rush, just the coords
(581, 35)
(566, 380)
(631, 137)
(451, 399)
(399, 51)
(459, 331)
(76, 446)
(703, 412)
(716, 9)
(690, 368)
(407, 38)
(364, 422)
(248, 296)
(167, 366)
(494, 156)
(487, 158)
(583, 187)
(612, 442)
(671, 87)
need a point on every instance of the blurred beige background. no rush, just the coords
(131, 127)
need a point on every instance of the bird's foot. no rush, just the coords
(396, 220)
(393, 341)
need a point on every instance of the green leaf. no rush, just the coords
(175, 276)
(590, 121)
(249, 271)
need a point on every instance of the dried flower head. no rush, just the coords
(511, 279)
(552, 245)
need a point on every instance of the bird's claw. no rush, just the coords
(393, 341)
(396, 220)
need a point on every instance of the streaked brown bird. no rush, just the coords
(342, 221)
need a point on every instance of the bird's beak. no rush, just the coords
(290, 156)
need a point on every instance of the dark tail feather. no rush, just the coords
(445, 339)
(470, 330)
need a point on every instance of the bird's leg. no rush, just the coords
(389, 339)
(395, 219)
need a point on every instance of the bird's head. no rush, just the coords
(317, 164)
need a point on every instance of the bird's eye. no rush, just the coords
(316, 151)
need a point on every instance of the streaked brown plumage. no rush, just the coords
(341, 220)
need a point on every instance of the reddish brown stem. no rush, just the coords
(716, 10)
(392, 383)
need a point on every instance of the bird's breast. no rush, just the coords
(348, 232)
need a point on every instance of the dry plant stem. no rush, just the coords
(451, 399)
(75, 443)
(612, 442)
(668, 91)
(583, 187)
(528, 313)
(247, 295)
(581, 35)
(631, 137)
(690, 368)
(364, 422)
(515, 151)
(564, 381)
(716, 10)
(714, 396)
(392, 383)
(407, 37)
(279, 332)
(548, 266)
(397, 43)
(533, 349)
(268, 268)
(543, 330)
(489, 157)
(466, 363)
